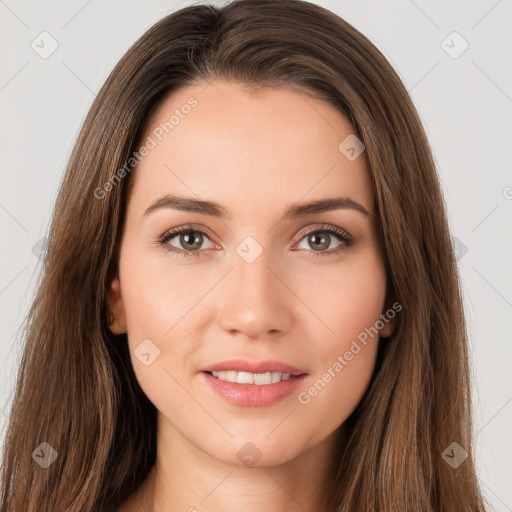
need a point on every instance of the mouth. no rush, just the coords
(253, 390)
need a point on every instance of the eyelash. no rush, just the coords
(326, 228)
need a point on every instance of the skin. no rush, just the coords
(256, 154)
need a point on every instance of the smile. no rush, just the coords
(253, 390)
(259, 379)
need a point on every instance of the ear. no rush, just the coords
(389, 327)
(389, 317)
(118, 326)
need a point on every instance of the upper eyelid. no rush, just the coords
(173, 232)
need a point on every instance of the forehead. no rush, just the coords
(220, 141)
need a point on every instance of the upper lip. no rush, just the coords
(243, 365)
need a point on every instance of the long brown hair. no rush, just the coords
(76, 389)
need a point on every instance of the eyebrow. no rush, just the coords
(191, 204)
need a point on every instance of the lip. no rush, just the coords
(252, 395)
(244, 365)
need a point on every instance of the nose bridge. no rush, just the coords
(252, 279)
(251, 273)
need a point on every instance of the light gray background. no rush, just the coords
(464, 102)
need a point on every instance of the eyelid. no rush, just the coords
(345, 238)
(324, 227)
(188, 227)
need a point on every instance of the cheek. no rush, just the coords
(158, 302)
(156, 295)
(347, 298)
(334, 393)
(350, 303)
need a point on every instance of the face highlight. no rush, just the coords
(253, 273)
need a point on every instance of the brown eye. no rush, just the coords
(190, 240)
(319, 240)
(186, 241)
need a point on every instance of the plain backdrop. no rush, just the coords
(453, 57)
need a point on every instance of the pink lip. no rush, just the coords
(252, 395)
(243, 365)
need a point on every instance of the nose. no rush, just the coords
(256, 300)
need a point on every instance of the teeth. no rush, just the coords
(260, 379)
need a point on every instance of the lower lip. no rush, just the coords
(252, 395)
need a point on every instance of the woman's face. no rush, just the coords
(257, 277)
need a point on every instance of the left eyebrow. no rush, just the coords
(324, 205)
(191, 204)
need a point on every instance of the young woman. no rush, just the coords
(249, 295)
